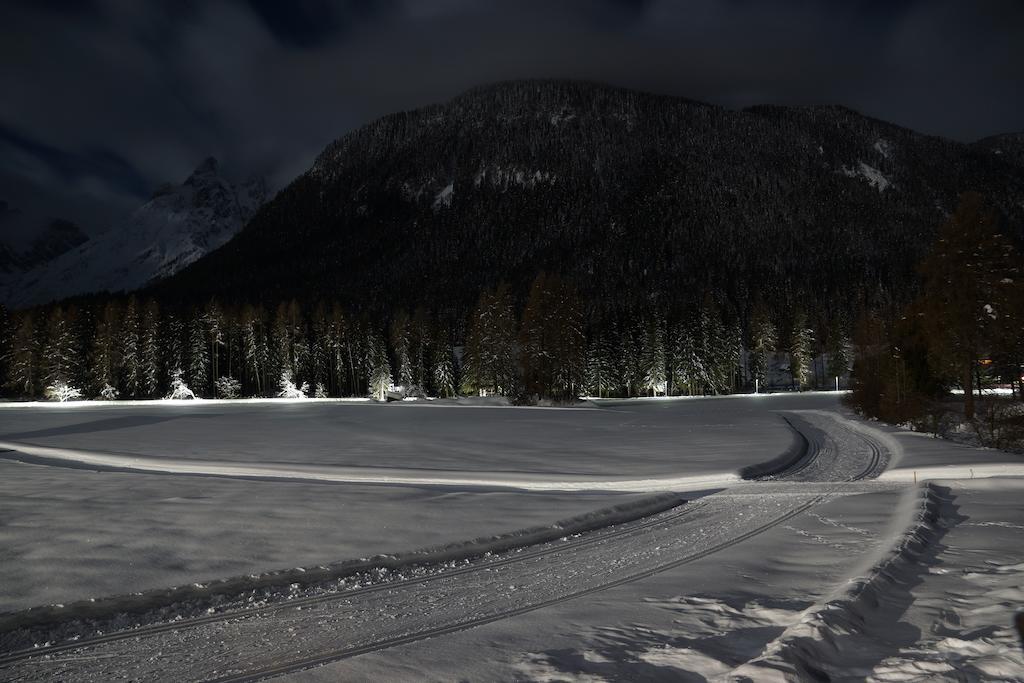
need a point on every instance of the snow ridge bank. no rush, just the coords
(516, 481)
(828, 641)
(60, 623)
(797, 451)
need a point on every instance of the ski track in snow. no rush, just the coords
(69, 457)
(837, 449)
(306, 629)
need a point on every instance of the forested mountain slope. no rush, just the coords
(637, 198)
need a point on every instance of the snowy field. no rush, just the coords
(639, 437)
(826, 570)
(112, 532)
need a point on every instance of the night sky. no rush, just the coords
(102, 101)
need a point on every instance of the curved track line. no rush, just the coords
(811, 455)
(73, 457)
(344, 653)
(512, 557)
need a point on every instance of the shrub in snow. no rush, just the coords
(108, 393)
(62, 391)
(228, 387)
(321, 390)
(180, 390)
(288, 388)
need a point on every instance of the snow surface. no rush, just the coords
(643, 439)
(117, 531)
(811, 575)
(109, 533)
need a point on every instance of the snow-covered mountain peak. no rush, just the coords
(178, 225)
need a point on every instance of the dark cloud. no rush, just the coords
(104, 100)
(311, 23)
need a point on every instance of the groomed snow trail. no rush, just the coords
(304, 630)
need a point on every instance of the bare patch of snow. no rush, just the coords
(504, 177)
(884, 147)
(872, 175)
(443, 200)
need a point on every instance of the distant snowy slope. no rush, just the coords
(178, 225)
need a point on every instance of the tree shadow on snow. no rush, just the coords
(103, 425)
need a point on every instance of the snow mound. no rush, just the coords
(66, 622)
(833, 639)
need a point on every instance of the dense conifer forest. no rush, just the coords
(541, 238)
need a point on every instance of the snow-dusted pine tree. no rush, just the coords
(551, 339)
(255, 348)
(287, 388)
(149, 349)
(631, 352)
(173, 345)
(840, 350)
(130, 350)
(24, 355)
(801, 344)
(179, 390)
(443, 366)
(61, 357)
(602, 376)
(490, 355)
(378, 368)
(104, 364)
(654, 379)
(62, 391)
(686, 366)
(399, 333)
(198, 356)
(213, 320)
(228, 387)
(764, 339)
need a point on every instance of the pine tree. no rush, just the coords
(600, 365)
(399, 336)
(130, 350)
(24, 356)
(60, 352)
(551, 338)
(713, 350)
(801, 343)
(104, 367)
(173, 343)
(342, 379)
(213, 320)
(378, 368)
(685, 363)
(149, 351)
(198, 356)
(489, 362)
(763, 342)
(321, 350)
(654, 361)
(631, 353)
(254, 347)
(443, 367)
(840, 352)
(420, 352)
